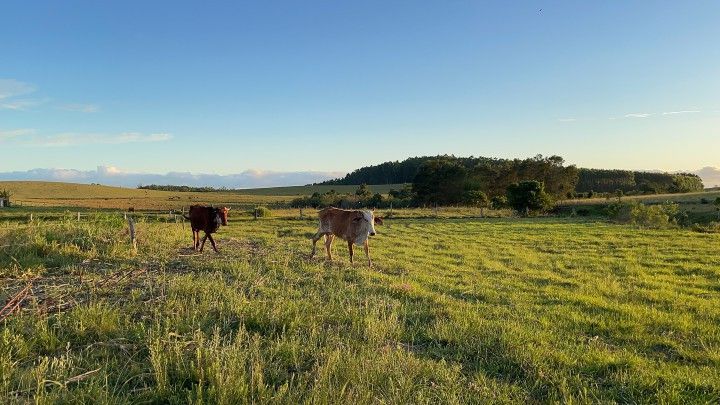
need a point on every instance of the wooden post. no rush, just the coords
(133, 240)
(255, 213)
(301, 214)
(78, 217)
(125, 216)
(31, 217)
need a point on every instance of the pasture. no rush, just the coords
(699, 207)
(455, 311)
(55, 195)
(71, 195)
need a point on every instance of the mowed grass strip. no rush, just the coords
(456, 311)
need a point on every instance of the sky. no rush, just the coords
(295, 91)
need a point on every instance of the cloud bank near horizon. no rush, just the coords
(112, 176)
(710, 176)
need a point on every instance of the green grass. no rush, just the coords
(456, 311)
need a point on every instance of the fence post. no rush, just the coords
(78, 216)
(31, 217)
(133, 240)
(301, 214)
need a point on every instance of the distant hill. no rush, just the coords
(596, 180)
(397, 172)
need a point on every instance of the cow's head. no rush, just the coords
(367, 220)
(223, 214)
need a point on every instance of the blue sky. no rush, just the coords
(226, 87)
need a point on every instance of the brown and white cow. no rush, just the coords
(207, 219)
(352, 226)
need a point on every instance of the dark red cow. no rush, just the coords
(208, 220)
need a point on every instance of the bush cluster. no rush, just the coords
(658, 216)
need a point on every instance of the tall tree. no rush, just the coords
(440, 181)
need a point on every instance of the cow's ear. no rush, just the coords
(378, 220)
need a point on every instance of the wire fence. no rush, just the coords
(61, 219)
(33, 221)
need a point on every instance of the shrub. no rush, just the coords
(666, 215)
(475, 198)
(619, 212)
(712, 227)
(261, 212)
(6, 194)
(498, 202)
(527, 196)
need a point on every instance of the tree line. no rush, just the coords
(181, 188)
(493, 175)
(629, 182)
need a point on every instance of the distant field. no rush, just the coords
(699, 206)
(308, 190)
(456, 311)
(56, 194)
(651, 198)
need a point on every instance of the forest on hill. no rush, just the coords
(492, 175)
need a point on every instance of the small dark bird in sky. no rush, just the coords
(540, 11)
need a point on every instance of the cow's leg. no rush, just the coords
(212, 241)
(328, 245)
(196, 239)
(202, 245)
(350, 249)
(367, 252)
(315, 238)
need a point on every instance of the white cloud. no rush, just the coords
(12, 88)
(681, 112)
(21, 105)
(567, 119)
(111, 175)
(646, 115)
(10, 92)
(84, 108)
(14, 96)
(638, 115)
(68, 139)
(15, 133)
(32, 138)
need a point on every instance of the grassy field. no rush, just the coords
(698, 206)
(455, 311)
(71, 195)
